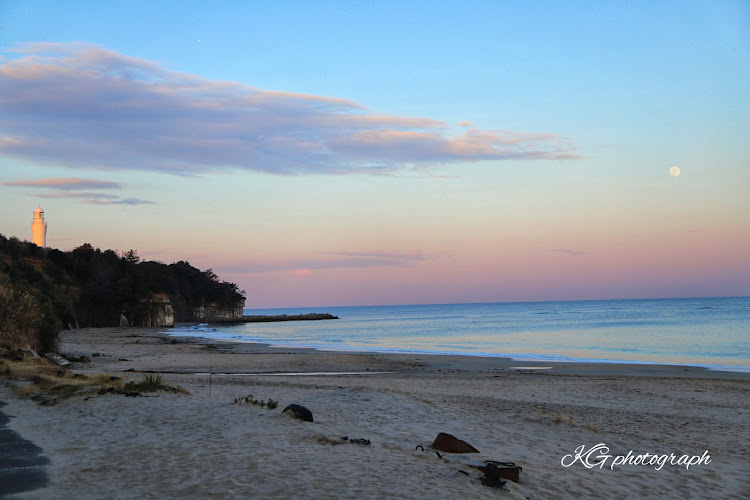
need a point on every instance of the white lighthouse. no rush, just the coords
(39, 228)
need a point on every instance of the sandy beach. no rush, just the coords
(164, 445)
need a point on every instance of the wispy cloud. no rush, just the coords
(95, 198)
(415, 256)
(120, 201)
(76, 194)
(80, 105)
(65, 184)
(333, 260)
(566, 251)
(70, 186)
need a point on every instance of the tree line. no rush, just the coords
(44, 289)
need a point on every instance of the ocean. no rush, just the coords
(708, 332)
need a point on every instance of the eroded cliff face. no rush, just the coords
(216, 312)
(156, 311)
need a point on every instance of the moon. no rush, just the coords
(674, 171)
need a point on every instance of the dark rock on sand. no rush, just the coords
(451, 444)
(299, 412)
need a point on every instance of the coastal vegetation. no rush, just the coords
(250, 400)
(153, 382)
(45, 289)
(46, 382)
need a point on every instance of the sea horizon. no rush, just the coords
(709, 332)
(254, 310)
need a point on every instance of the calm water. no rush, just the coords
(710, 332)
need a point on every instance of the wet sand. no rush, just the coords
(530, 413)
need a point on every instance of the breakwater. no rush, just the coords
(276, 318)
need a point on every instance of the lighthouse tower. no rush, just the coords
(39, 228)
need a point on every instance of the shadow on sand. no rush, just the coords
(22, 465)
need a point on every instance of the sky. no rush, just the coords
(365, 153)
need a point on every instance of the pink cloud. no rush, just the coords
(80, 105)
(120, 201)
(333, 260)
(71, 186)
(65, 184)
(567, 251)
(76, 194)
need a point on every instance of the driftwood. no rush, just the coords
(57, 359)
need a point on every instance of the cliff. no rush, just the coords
(217, 313)
(89, 287)
(157, 311)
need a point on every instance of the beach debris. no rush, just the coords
(115, 390)
(492, 476)
(495, 472)
(44, 400)
(451, 444)
(78, 359)
(57, 359)
(299, 412)
(503, 470)
(360, 441)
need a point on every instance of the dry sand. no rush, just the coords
(202, 446)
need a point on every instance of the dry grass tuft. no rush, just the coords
(153, 382)
(51, 380)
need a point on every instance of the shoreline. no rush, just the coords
(591, 367)
(203, 445)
